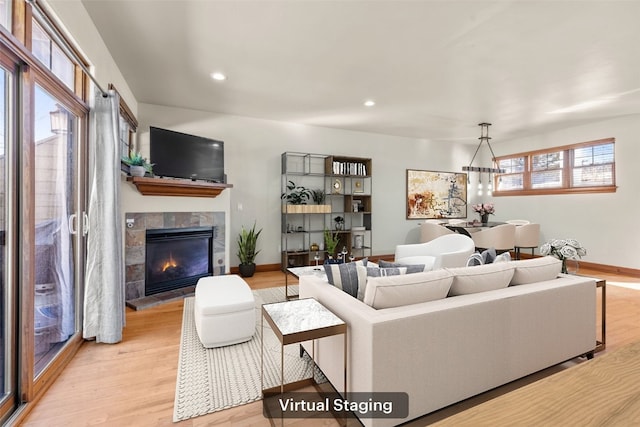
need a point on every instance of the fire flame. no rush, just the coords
(170, 263)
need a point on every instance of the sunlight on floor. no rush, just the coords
(630, 285)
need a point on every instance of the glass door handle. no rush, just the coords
(85, 223)
(72, 223)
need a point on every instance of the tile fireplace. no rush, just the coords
(167, 252)
(177, 257)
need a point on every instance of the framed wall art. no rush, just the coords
(433, 194)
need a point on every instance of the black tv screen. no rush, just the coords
(179, 155)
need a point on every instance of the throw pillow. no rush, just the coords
(396, 291)
(488, 255)
(411, 268)
(535, 270)
(470, 280)
(346, 276)
(475, 259)
(503, 257)
(365, 272)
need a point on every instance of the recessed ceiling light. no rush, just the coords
(369, 103)
(218, 76)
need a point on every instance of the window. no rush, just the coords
(578, 168)
(51, 55)
(5, 14)
(128, 126)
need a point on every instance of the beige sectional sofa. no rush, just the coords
(442, 351)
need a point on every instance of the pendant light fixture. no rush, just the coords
(484, 137)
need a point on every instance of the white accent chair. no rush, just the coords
(501, 237)
(518, 221)
(451, 250)
(527, 237)
(430, 231)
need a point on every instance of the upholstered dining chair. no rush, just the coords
(429, 231)
(527, 237)
(501, 237)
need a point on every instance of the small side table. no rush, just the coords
(297, 321)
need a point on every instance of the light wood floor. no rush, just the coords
(133, 383)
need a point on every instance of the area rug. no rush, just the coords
(210, 380)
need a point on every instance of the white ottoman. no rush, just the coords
(224, 311)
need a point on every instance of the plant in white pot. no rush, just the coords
(247, 242)
(138, 165)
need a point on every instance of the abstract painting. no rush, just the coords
(433, 194)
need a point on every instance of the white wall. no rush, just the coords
(605, 224)
(252, 162)
(79, 28)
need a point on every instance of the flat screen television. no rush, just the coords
(179, 155)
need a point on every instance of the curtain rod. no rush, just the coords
(64, 44)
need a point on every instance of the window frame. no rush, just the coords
(567, 172)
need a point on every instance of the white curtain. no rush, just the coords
(104, 279)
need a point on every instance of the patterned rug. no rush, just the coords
(211, 380)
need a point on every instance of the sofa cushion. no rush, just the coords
(471, 280)
(411, 268)
(346, 276)
(376, 271)
(535, 270)
(425, 260)
(396, 291)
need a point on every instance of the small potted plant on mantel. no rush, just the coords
(138, 165)
(247, 241)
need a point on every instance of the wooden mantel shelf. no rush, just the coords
(176, 187)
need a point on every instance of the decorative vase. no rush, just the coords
(484, 218)
(247, 270)
(137, 170)
(566, 270)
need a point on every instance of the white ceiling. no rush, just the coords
(435, 68)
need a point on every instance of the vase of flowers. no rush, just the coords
(484, 210)
(563, 249)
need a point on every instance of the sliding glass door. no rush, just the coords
(57, 222)
(8, 288)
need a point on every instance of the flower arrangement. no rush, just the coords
(563, 249)
(484, 208)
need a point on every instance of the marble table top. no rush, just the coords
(302, 315)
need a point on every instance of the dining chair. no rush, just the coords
(429, 231)
(527, 237)
(501, 237)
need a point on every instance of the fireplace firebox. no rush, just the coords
(177, 257)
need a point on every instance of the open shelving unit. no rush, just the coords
(346, 183)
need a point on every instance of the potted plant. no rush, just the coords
(296, 194)
(247, 240)
(138, 165)
(331, 241)
(318, 196)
